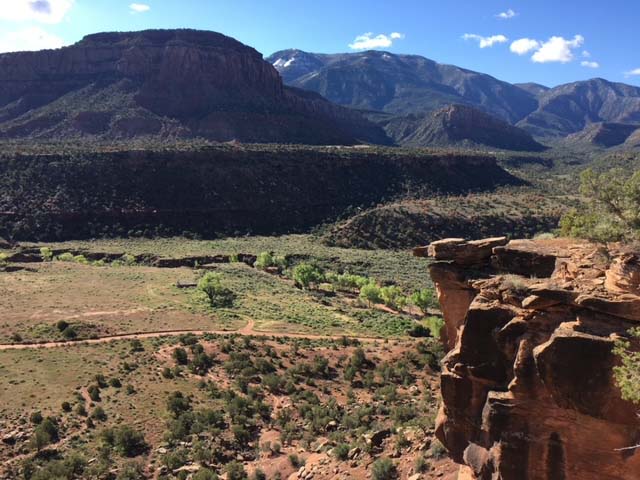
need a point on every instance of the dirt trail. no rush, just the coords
(247, 330)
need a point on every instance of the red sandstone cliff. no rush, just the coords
(527, 386)
(164, 83)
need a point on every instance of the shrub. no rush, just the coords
(94, 393)
(264, 260)
(205, 474)
(437, 450)
(65, 257)
(81, 259)
(627, 374)
(370, 293)
(128, 260)
(62, 325)
(125, 440)
(422, 464)
(267, 259)
(136, 346)
(99, 414)
(384, 469)
(258, 475)
(435, 324)
(341, 451)
(66, 407)
(235, 471)
(131, 471)
(69, 333)
(219, 296)
(70, 467)
(177, 403)
(175, 459)
(46, 254)
(45, 433)
(295, 461)
(36, 418)
(180, 356)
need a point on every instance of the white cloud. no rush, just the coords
(632, 73)
(586, 54)
(523, 46)
(588, 64)
(557, 49)
(139, 7)
(485, 41)
(29, 39)
(367, 41)
(44, 11)
(507, 15)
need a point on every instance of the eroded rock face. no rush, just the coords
(527, 387)
(165, 84)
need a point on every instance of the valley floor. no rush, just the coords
(304, 383)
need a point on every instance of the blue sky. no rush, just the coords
(545, 41)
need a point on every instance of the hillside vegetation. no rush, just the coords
(215, 190)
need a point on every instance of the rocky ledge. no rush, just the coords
(527, 386)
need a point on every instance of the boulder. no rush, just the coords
(461, 251)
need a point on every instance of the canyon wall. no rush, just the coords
(527, 386)
(217, 190)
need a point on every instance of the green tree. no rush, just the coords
(423, 299)
(393, 297)
(219, 295)
(306, 275)
(610, 210)
(264, 260)
(370, 293)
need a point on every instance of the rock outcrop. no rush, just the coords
(165, 84)
(527, 387)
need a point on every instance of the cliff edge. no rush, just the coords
(527, 386)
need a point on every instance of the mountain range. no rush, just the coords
(410, 85)
(165, 84)
(174, 84)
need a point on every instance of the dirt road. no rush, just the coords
(247, 330)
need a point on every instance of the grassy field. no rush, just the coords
(107, 300)
(286, 386)
(388, 266)
(99, 301)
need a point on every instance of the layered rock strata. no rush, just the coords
(527, 387)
